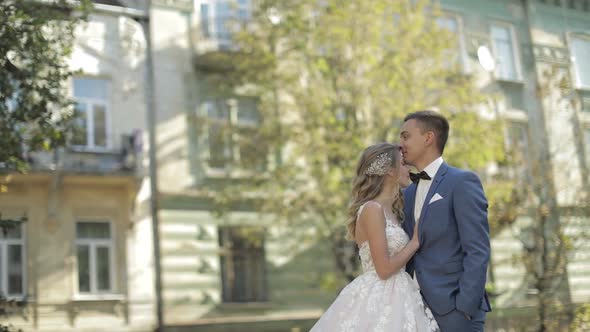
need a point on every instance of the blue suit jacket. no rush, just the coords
(452, 261)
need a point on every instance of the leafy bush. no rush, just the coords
(581, 321)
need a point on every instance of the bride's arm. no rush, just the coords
(372, 221)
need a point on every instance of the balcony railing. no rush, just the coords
(219, 21)
(125, 160)
(220, 28)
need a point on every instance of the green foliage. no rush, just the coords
(9, 306)
(335, 76)
(547, 242)
(35, 113)
(329, 281)
(35, 41)
(506, 203)
(581, 321)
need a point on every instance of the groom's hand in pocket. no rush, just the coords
(467, 316)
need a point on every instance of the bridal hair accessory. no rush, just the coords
(379, 165)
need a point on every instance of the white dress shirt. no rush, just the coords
(424, 186)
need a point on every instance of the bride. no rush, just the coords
(384, 297)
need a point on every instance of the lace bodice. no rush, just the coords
(370, 303)
(396, 241)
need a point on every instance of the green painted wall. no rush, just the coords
(298, 280)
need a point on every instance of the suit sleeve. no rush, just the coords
(470, 207)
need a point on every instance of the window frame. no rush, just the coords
(586, 133)
(464, 56)
(231, 120)
(90, 128)
(522, 141)
(93, 244)
(210, 31)
(585, 37)
(516, 57)
(224, 123)
(4, 243)
(227, 253)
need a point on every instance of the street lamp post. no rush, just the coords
(487, 62)
(143, 17)
(275, 18)
(153, 170)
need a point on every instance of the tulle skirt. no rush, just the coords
(371, 304)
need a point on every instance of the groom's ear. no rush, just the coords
(430, 138)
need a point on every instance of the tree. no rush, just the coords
(35, 113)
(9, 306)
(335, 76)
(582, 321)
(35, 42)
(556, 231)
(553, 231)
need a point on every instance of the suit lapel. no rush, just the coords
(440, 174)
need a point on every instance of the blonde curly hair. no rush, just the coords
(366, 187)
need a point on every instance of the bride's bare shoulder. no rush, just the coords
(370, 212)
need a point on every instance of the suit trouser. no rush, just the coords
(455, 321)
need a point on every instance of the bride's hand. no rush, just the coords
(415, 237)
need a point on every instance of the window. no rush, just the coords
(12, 267)
(92, 105)
(205, 29)
(234, 135)
(505, 52)
(517, 140)
(219, 135)
(243, 268)
(94, 248)
(580, 48)
(584, 96)
(218, 17)
(457, 54)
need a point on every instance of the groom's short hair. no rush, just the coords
(432, 121)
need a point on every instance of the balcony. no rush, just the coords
(125, 160)
(574, 5)
(213, 34)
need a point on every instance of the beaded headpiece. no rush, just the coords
(379, 165)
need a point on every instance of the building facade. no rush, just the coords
(540, 50)
(84, 258)
(534, 44)
(233, 272)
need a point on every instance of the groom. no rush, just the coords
(451, 208)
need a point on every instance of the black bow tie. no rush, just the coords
(415, 177)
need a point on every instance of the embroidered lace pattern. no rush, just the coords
(369, 303)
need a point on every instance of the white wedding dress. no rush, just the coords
(371, 304)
